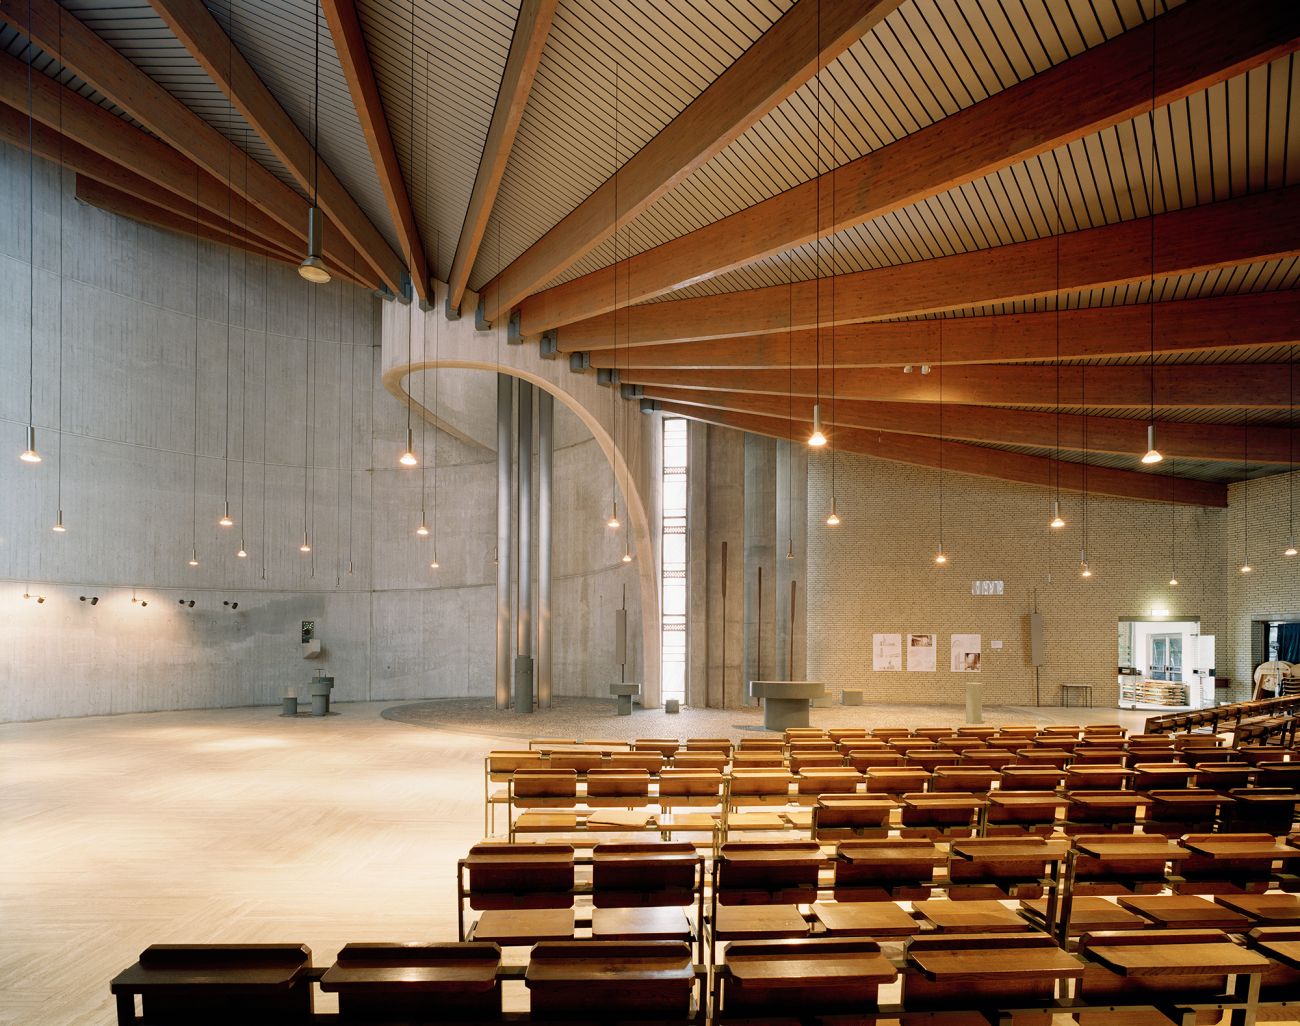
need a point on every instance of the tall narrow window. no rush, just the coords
(673, 585)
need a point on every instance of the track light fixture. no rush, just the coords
(40, 600)
(818, 437)
(187, 603)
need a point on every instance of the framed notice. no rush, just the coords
(886, 652)
(965, 653)
(920, 653)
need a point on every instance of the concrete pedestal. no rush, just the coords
(974, 702)
(320, 695)
(625, 692)
(523, 684)
(786, 702)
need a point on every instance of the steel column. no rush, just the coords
(545, 461)
(524, 637)
(505, 537)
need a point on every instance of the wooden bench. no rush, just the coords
(524, 891)
(802, 978)
(585, 981)
(416, 983)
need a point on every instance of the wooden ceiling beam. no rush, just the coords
(350, 44)
(1258, 227)
(776, 65)
(208, 44)
(1244, 386)
(78, 48)
(172, 176)
(47, 144)
(992, 425)
(1181, 326)
(114, 201)
(961, 458)
(1200, 44)
(531, 29)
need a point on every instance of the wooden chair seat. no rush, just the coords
(813, 977)
(840, 816)
(1087, 915)
(1271, 909)
(659, 923)
(981, 916)
(758, 922)
(416, 983)
(865, 919)
(523, 926)
(1281, 945)
(1185, 911)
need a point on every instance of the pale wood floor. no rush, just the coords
(236, 825)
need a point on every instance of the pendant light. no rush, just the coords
(313, 268)
(226, 520)
(789, 409)
(408, 457)
(242, 552)
(1245, 495)
(941, 557)
(31, 454)
(194, 398)
(1085, 571)
(613, 523)
(1173, 531)
(265, 408)
(58, 526)
(833, 519)
(1152, 455)
(1057, 522)
(817, 439)
(307, 418)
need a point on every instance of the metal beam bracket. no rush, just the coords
(606, 376)
(548, 348)
(579, 363)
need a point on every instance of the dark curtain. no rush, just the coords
(1288, 642)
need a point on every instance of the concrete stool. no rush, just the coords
(850, 698)
(320, 695)
(290, 707)
(625, 693)
(672, 705)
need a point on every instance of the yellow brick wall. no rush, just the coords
(875, 573)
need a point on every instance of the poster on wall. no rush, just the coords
(965, 653)
(920, 653)
(886, 652)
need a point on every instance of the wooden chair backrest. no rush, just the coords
(618, 783)
(842, 780)
(547, 783)
(757, 759)
(646, 874)
(700, 760)
(651, 762)
(754, 782)
(690, 783)
(521, 875)
(665, 746)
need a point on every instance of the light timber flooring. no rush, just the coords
(238, 825)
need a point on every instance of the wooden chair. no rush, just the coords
(816, 781)
(841, 816)
(579, 762)
(1144, 967)
(934, 733)
(259, 984)
(1167, 775)
(416, 983)
(759, 787)
(989, 758)
(1121, 863)
(665, 746)
(940, 814)
(639, 891)
(801, 760)
(978, 974)
(961, 745)
(930, 759)
(589, 981)
(524, 892)
(809, 977)
(898, 868)
(1005, 867)
(618, 787)
(1020, 777)
(1209, 871)
(761, 744)
(1270, 810)
(841, 734)
(889, 733)
(895, 780)
(1043, 757)
(812, 745)
(1017, 813)
(709, 744)
(803, 734)
(690, 787)
(907, 745)
(1225, 776)
(757, 888)
(1281, 982)
(1090, 812)
(1255, 754)
(970, 779)
(1017, 730)
(983, 733)
(651, 762)
(1277, 774)
(1178, 811)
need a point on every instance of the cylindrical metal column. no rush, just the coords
(545, 462)
(505, 537)
(524, 637)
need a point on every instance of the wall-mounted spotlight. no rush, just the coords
(40, 599)
(188, 603)
(93, 599)
(135, 601)
(233, 605)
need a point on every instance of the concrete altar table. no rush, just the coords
(625, 692)
(786, 702)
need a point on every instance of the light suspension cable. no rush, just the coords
(1290, 549)
(194, 467)
(226, 520)
(818, 437)
(408, 457)
(941, 557)
(1057, 522)
(613, 521)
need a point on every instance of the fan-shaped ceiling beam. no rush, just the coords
(778, 63)
(1263, 226)
(208, 44)
(961, 458)
(997, 426)
(1197, 45)
(1181, 326)
(531, 30)
(78, 48)
(350, 44)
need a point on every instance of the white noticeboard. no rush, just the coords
(920, 653)
(966, 654)
(886, 652)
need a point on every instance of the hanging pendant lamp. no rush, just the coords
(313, 268)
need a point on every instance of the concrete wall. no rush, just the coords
(875, 574)
(392, 628)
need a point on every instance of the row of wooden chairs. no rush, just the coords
(1232, 716)
(1133, 977)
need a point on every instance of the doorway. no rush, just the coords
(1165, 663)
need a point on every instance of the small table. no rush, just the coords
(986, 965)
(1087, 914)
(1069, 692)
(759, 922)
(1208, 958)
(625, 692)
(786, 702)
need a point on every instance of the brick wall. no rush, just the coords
(875, 574)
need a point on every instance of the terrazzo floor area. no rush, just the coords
(238, 825)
